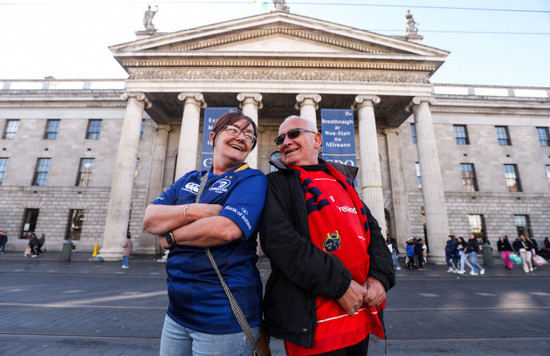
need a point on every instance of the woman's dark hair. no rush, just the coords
(229, 118)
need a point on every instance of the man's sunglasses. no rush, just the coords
(291, 134)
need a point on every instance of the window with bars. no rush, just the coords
(52, 128)
(29, 223)
(11, 129)
(94, 129)
(461, 135)
(74, 225)
(503, 136)
(523, 225)
(41, 171)
(85, 172)
(477, 225)
(512, 178)
(413, 132)
(544, 136)
(3, 167)
(469, 180)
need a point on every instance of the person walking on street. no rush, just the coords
(505, 249)
(127, 247)
(330, 265)
(450, 253)
(461, 248)
(523, 246)
(410, 254)
(472, 249)
(419, 252)
(3, 241)
(392, 246)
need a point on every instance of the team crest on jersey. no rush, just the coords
(332, 242)
(191, 187)
(220, 186)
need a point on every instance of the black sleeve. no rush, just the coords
(381, 263)
(287, 244)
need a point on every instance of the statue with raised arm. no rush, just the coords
(148, 18)
(411, 29)
(280, 5)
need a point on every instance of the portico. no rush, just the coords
(272, 66)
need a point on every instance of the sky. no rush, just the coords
(491, 42)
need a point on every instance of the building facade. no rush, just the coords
(81, 159)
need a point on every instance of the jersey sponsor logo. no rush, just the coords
(191, 188)
(332, 242)
(220, 186)
(347, 209)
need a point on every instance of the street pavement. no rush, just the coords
(82, 307)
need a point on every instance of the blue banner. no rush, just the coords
(211, 115)
(338, 132)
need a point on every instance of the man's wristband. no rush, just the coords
(170, 240)
(185, 208)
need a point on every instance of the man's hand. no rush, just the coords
(376, 293)
(352, 300)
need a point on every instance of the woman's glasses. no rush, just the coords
(291, 134)
(235, 131)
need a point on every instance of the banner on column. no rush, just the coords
(338, 133)
(211, 115)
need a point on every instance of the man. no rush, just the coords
(330, 265)
(3, 240)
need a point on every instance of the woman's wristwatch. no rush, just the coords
(170, 239)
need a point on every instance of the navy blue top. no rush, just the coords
(197, 299)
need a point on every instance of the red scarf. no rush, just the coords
(337, 233)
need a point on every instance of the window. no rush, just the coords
(74, 225)
(11, 129)
(469, 181)
(418, 177)
(29, 223)
(461, 135)
(544, 136)
(94, 129)
(547, 171)
(523, 225)
(52, 127)
(512, 178)
(142, 129)
(85, 172)
(41, 172)
(413, 132)
(4, 167)
(477, 225)
(503, 136)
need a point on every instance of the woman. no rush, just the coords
(472, 249)
(127, 247)
(392, 246)
(461, 247)
(523, 247)
(505, 250)
(225, 219)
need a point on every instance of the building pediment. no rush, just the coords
(276, 36)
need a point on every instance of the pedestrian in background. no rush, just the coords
(3, 240)
(505, 249)
(127, 250)
(409, 262)
(33, 244)
(472, 249)
(392, 246)
(524, 247)
(461, 248)
(419, 252)
(450, 253)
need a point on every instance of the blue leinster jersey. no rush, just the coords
(197, 299)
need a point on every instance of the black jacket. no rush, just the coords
(472, 246)
(299, 270)
(504, 245)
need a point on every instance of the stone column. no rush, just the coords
(371, 176)
(437, 225)
(398, 188)
(189, 134)
(250, 103)
(308, 105)
(120, 199)
(149, 243)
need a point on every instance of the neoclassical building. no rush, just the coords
(81, 159)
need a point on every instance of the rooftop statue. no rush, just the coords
(280, 5)
(148, 19)
(411, 29)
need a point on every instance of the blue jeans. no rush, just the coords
(395, 261)
(177, 340)
(125, 261)
(463, 260)
(473, 260)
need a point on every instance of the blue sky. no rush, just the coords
(70, 38)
